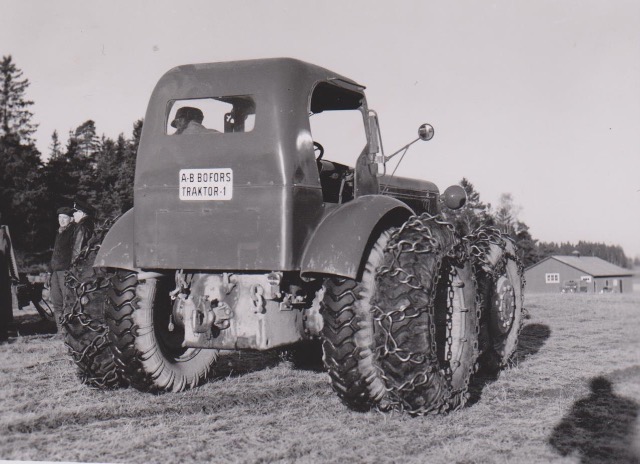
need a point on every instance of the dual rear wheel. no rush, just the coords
(500, 278)
(405, 335)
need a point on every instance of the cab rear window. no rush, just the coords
(215, 115)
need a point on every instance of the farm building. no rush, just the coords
(577, 274)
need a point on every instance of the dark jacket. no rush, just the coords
(81, 235)
(61, 258)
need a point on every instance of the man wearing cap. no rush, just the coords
(83, 230)
(61, 259)
(188, 120)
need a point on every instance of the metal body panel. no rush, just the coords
(274, 171)
(339, 242)
(420, 195)
(240, 234)
(117, 246)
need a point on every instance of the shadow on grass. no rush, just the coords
(305, 356)
(238, 363)
(31, 324)
(532, 338)
(302, 356)
(599, 428)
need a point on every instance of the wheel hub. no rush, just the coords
(504, 304)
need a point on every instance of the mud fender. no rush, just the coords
(117, 247)
(341, 239)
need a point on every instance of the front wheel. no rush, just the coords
(149, 354)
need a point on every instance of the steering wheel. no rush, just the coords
(320, 148)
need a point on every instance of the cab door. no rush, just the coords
(339, 122)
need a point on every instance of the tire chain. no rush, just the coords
(461, 396)
(478, 243)
(426, 243)
(79, 314)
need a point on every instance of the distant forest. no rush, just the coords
(100, 171)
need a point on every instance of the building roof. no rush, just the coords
(596, 267)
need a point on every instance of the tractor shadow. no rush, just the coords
(599, 428)
(532, 338)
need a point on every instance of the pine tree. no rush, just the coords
(526, 244)
(115, 171)
(506, 216)
(546, 249)
(55, 149)
(87, 138)
(15, 117)
(82, 150)
(128, 169)
(70, 174)
(23, 196)
(107, 167)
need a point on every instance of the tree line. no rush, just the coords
(100, 171)
(96, 170)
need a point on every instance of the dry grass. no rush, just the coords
(263, 410)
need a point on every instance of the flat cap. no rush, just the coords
(66, 210)
(79, 205)
(189, 113)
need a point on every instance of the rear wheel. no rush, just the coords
(348, 339)
(149, 355)
(404, 336)
(501, 285)
(83, 324)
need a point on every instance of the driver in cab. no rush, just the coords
(188, 120)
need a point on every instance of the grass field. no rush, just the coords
(573, 395)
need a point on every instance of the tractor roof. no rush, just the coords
(279, 75)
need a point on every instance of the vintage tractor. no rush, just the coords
(264, 217)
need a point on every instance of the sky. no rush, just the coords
(539, 99)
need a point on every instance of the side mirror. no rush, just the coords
(425, 132)
(454, 197)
